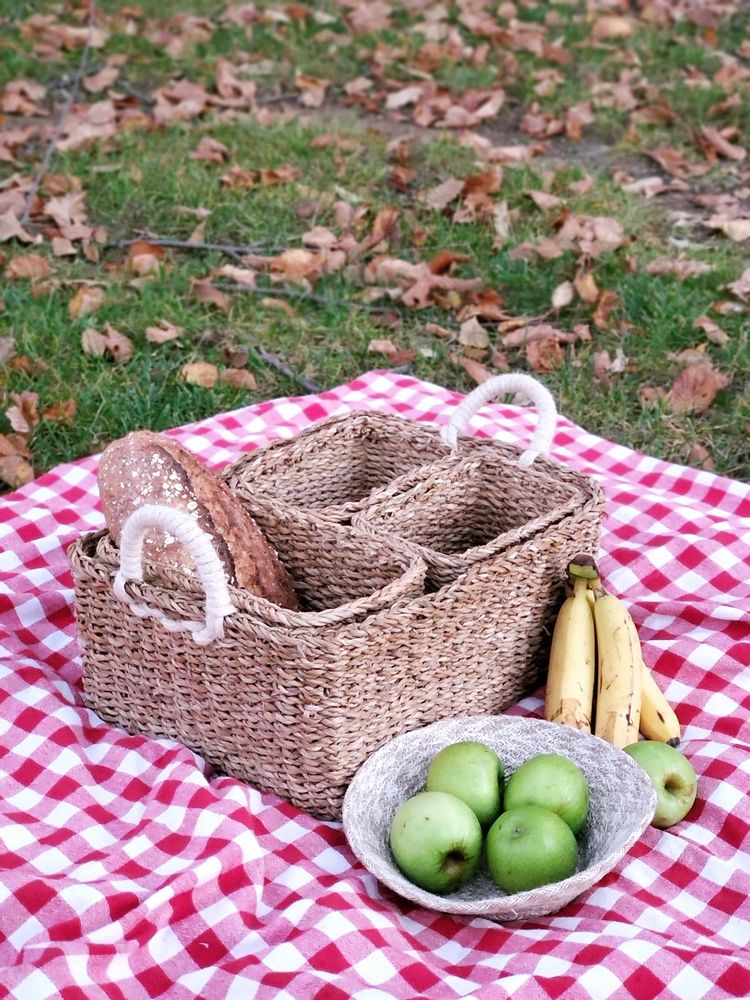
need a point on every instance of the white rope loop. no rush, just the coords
(209, 567)
(524, 387)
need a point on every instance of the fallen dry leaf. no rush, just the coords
(441, 196)
(210, 151)
(239, 378)
(722, 145)
(701, 457)
(563, 295)
(741, 287)
(608, 302)
(240, 275)
(61, 413)
(29, 265)
(475, 369)
(112, 342)
(695, 388)
(678, 266)
(162, 333)
(86, 300)
(586, 287)
(210, 294)
(23, 415)
(544, 355)
(611, 26)
(200, 373)
(14, 469)
(11, 228)
(473, 334)
(712, 330)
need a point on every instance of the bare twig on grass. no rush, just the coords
(237, 251)
(289, 293)
(58, 130)
(272, 361)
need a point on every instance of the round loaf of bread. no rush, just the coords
(148, 468)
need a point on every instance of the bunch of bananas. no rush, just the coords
(595, 648)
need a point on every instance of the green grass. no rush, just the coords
(145, 181)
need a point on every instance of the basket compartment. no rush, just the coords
(472, 508)
(332, 467)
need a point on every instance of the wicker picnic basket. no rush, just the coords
(429, 570)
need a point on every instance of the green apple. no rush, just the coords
(673, 777)
(552, 781)
(530, 846)
(472, 772)
(436, 840)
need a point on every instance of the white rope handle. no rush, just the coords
(199, 545)
(523, 386)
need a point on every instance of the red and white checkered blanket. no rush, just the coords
(129, 871)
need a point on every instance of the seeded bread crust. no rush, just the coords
(148, 468)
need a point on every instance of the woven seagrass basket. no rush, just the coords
(406, 617)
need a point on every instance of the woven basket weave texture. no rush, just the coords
(400, 625)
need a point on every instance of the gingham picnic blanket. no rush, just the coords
(128, 870)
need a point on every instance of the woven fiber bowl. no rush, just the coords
(622, 804)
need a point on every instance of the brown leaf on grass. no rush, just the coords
(11, 228)
(232, 90)
(738, 230)
(544, 355)
(577, 118)
(61, 413)
(238, 378)
(163, 333)
(23, 415)
(200, 373)
(721, 144)
(586, 287)
(179, 100)
(563, 295)
(7, 349)
(475, 369)
(695, 388)
(611, 26)
(112, 342)
(608, 302)
(239, 275)
(312, 90)
(678, 266)
(543, 200)
(86, 300)
(700, 456)
(712, 330)
(419, 281)
(62, 247)
(741, 287)
(95, 83)
(210, 294)
(472, 334)
(441, 196)
(269, 302)
(602, 368)
(534, 332)
(210, 151)
(396, 355)
(676, 163)
(14, 469)
(29, 265)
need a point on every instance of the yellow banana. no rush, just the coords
(658, 720)
(570, 677)
(620, 680)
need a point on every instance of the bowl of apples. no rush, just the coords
(496, 816)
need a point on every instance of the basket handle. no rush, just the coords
(524, 386)
(199, 545)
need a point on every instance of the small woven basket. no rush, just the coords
(398, 621)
